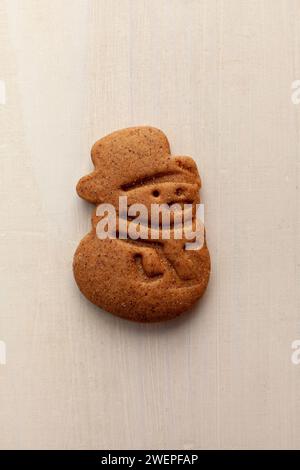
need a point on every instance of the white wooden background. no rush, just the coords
(216, 76)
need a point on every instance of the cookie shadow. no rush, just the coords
(108, 321)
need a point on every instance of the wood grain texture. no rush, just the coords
(216, 76)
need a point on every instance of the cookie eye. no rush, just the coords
(179, 191)
(155, 193)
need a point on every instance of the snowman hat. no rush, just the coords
(128, 156)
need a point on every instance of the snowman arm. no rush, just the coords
(179, 259)
(150, 262)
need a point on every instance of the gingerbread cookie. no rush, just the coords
(142, 278)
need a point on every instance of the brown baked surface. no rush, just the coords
(140, 280)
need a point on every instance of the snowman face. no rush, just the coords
(178, 186)
(163, 193)
(173, 185)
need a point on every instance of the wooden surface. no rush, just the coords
(216, 76)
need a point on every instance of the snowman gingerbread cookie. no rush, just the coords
(136, 273)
